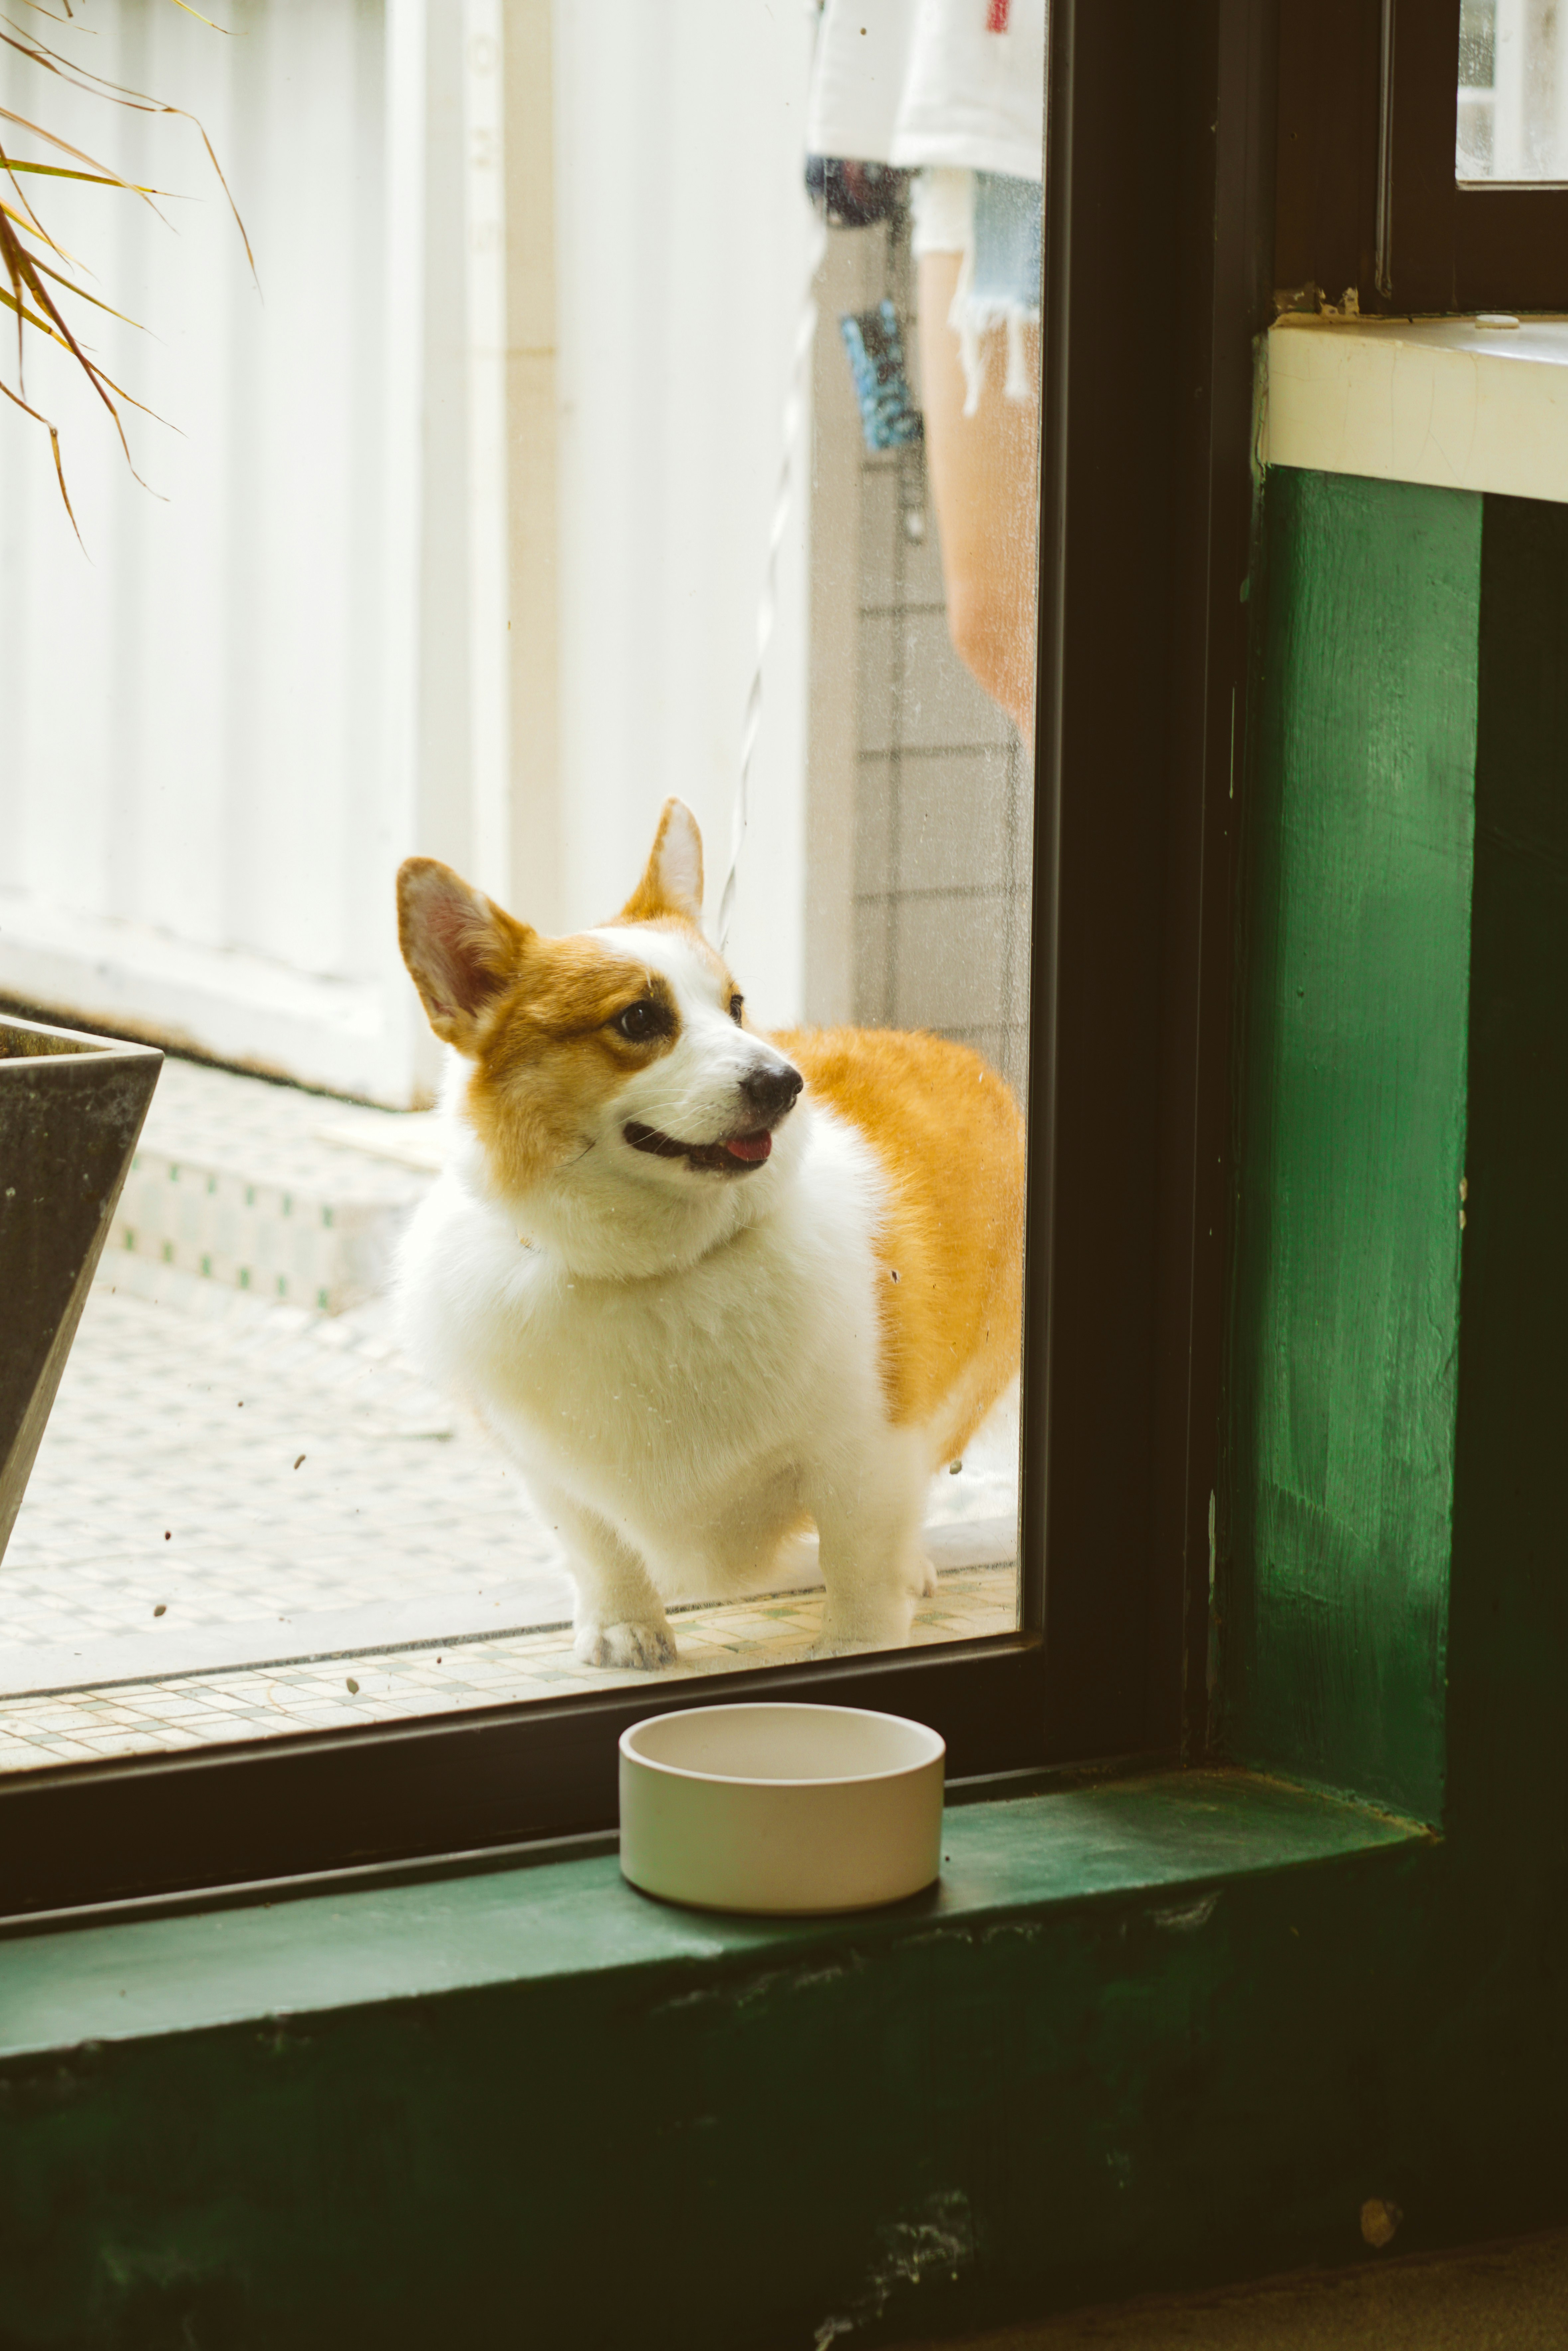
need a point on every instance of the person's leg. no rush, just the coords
(983, 473)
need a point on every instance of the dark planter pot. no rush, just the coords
(71, 1108)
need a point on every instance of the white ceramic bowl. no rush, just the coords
(779, 1808)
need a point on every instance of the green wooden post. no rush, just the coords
(1403, 1079)
(1347, 1285)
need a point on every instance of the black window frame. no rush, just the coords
(1368, 199)
(1158, 249)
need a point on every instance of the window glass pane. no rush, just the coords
(1513, 91)
(643, 408)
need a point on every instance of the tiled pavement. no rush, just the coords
(249, 1466)
(204, 1709)
(225, 1482)
(266, 1189)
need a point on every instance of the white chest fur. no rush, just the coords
(675, 1402)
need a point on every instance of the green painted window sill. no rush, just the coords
(1113, 2050)
(1007, 1862)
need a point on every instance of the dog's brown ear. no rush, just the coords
(461, 950)
(672, 879)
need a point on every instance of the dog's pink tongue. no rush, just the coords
(750, 1146)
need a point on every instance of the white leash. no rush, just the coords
(768, 604)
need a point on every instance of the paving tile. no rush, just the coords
(249, 1705)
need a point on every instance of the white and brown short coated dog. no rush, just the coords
(707, 1287)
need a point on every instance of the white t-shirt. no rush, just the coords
(914, 82)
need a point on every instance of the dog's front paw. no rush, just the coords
(645, 1647)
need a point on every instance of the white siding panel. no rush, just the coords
(683, 240)
(201, 764)
(255, 691)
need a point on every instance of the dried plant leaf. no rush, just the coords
(23, 271)
(91, 179)
(200, 19)
(55, 444)
(83, 295)
(96, 86)
(26, 223)
(9, 302)
(65, 148)
(21, 229)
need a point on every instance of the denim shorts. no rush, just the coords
(1008, 217)
(994, 222)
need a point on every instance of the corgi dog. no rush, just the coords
(707, 1288)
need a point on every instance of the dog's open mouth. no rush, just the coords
(733, 1157)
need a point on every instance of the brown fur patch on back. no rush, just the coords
(951, 1142)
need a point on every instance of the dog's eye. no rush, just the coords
(641, 1021)
(736, 1007)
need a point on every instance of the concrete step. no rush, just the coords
(295, 1197)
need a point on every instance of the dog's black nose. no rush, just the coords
(771, 1092)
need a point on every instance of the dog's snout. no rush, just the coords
(772, 1091)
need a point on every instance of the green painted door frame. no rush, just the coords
(1355, 980)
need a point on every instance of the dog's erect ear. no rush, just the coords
(672, 879)
(460, 949)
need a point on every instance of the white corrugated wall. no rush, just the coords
(228, 720)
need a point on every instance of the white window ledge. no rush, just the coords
(1455, 402)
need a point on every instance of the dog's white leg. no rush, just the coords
(620, 1618)
(868, 1517)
